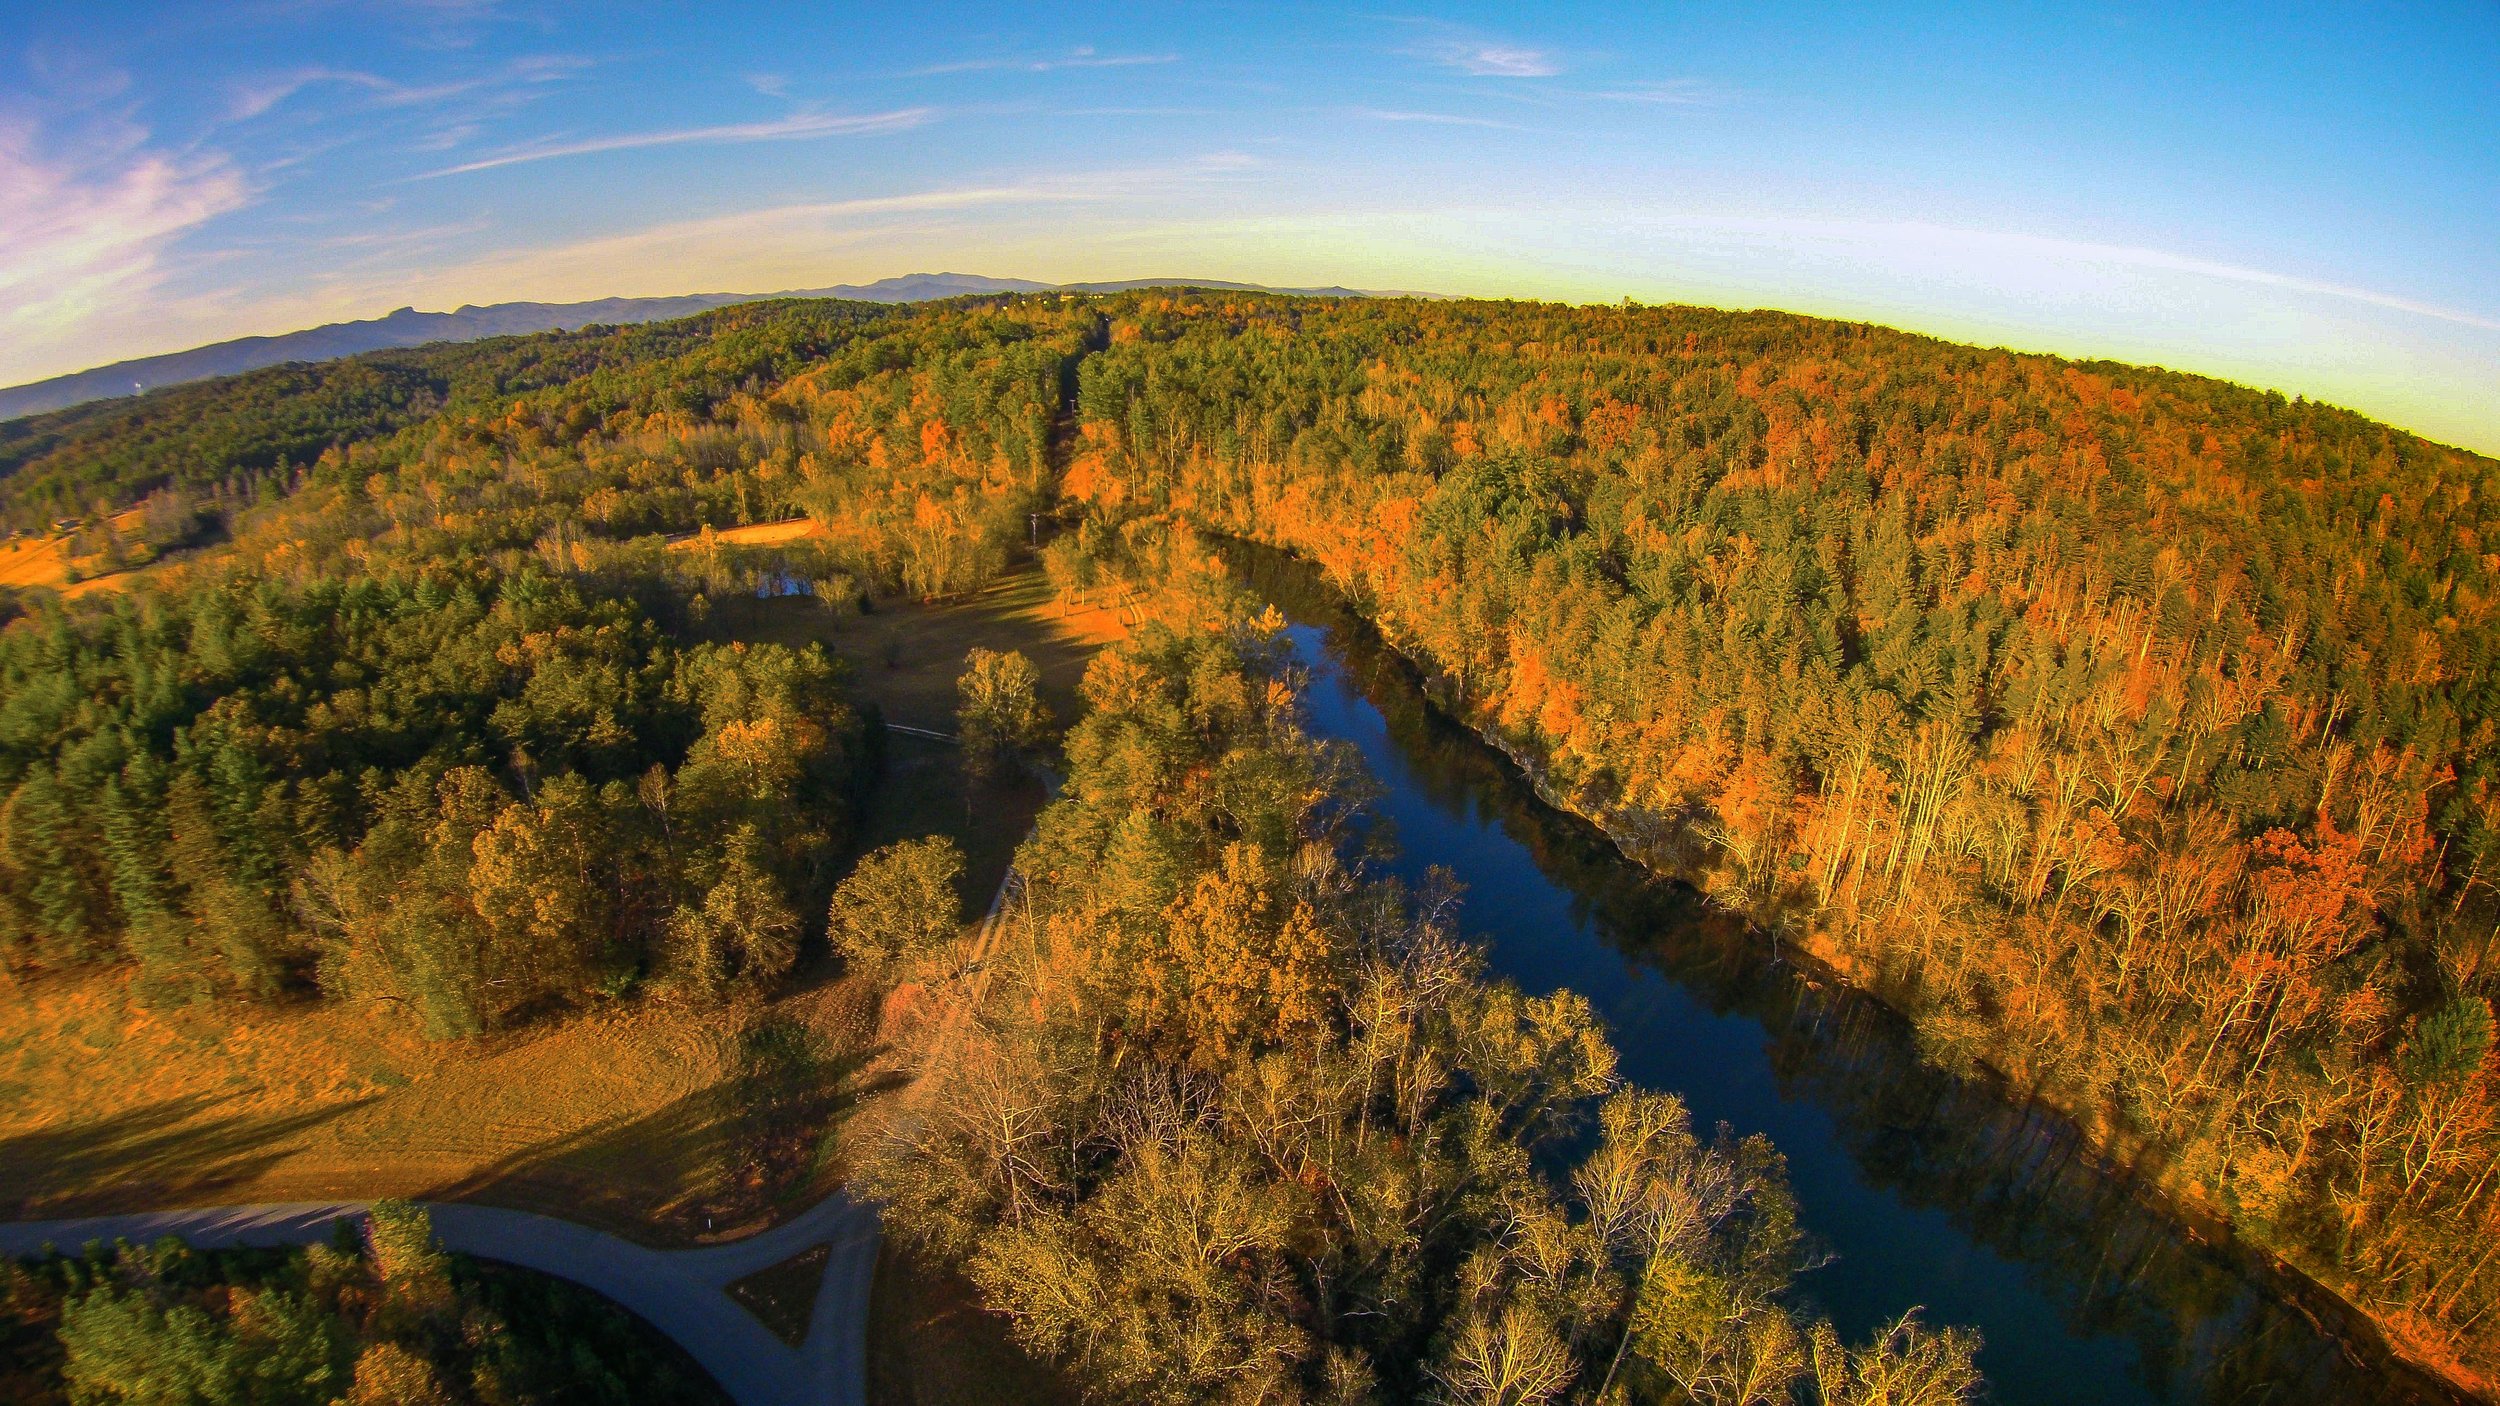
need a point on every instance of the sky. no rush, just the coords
(2301, 198)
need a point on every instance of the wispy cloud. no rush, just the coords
(2033, 264)
(1677, 92)
(257, 97)
(401, 240)
(1437, 119)
(807, 244)
(90, 236)
(806, 126)
(2233, 273)
(1083, 57)
(771, 85)
(1492, 59)
(73, 76)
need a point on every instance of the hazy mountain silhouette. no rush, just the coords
(409, 328)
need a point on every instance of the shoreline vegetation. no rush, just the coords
(2332, 1316)
(1236, 1120)
(2129, 731)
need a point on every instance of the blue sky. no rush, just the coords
(2302, 198)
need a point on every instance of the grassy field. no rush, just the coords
(46, 561)
(641, 1119)
(644, 1119)
(909, 656)
(636, 1117)
(906, 660)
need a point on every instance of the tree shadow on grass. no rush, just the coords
(922, 790)
(176, 1152)
(729, 1157)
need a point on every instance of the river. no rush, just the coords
(1924, 1189)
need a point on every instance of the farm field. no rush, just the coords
(44, 560)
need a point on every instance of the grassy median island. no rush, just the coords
(931, 1343)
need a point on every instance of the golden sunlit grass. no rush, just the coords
(634, 1118)
(908, 657)
(47, 561)
(760, 534)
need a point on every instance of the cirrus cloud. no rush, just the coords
(1485, 59)
(802, 127)
(89, 234)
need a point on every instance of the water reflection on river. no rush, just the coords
(1926, 1189)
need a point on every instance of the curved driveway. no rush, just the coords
(680, 1292)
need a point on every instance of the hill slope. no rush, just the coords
(411, 328)
(2137, 735)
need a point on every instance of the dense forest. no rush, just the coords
(2132, 733)
(431, 728)
(381, 1317)
(1239, 1123)
(2135, 733)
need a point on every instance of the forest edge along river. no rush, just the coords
(1923, 1188)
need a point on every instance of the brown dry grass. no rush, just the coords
(632, 1118)
(760, 534)
(46, 561)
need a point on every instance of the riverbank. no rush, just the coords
(2031, 1154)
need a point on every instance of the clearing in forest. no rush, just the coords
(643, 1118)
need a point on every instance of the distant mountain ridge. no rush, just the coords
(411, 328)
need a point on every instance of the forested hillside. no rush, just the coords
(2132, 733)
(427, 730)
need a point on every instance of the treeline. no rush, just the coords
(206, 435)
(384, 1318)
(1236, 1121)
(2133, 732)
(917, 438)
(478, 795)
(422, 732)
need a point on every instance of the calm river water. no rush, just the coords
(1925, 1189)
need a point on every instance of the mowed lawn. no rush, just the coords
(642, 1118)
(638, 1119)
